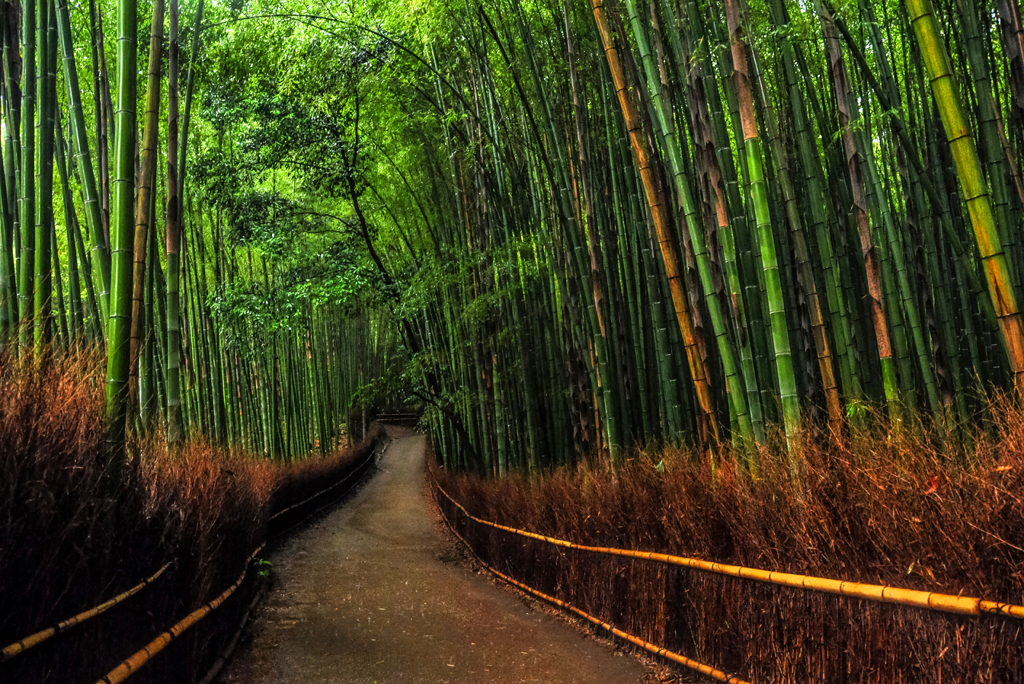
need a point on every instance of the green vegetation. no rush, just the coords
(497, 211)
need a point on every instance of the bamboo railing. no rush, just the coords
(708, 670)
(646, 645)
(323, 491)
(130, 665)
(141, 657)
(946, 603)
(39, 637)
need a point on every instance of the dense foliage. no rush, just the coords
(564, 228)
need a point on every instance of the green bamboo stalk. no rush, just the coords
(42, 308)
(972, 181)
(775, 299)
(70, 225)
(8, 186)
(103, 115)
(58, 286)
(175, 427)
(187, 114)
(27, 198)
(8, 303)
(83, 158)
(122, 222)
(8, 267)
(146, 191)
(147, 349)
(96, 325)
(805, 272)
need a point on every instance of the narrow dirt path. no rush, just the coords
(374, 594)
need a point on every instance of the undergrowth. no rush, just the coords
(882, 508)
(70, 539)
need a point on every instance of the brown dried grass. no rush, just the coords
(69, 539)
(881, 508)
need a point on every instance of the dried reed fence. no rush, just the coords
(892, 513)
(357, 468)
(33, 640)
(69, 540)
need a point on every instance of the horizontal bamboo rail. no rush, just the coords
(132, 664)
(326, 489)
(39, 637)
(653, 648)
(646, 645)
(140, 658)
(225, 655)
(946, 603)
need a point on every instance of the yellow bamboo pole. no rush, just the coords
(355, 469)
(972, 180)
(653, 648)
(140, 658)
(666, 240)
(39, 637)
(946, 603)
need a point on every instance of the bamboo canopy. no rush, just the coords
(556, 232)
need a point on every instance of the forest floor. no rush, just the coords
(377, 592)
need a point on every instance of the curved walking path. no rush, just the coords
(373, 594)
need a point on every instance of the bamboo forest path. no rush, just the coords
(375, 593)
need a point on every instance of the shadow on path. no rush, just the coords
(370, 595)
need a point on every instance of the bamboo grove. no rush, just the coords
(90, 194)
(694, 221)
(564, 227)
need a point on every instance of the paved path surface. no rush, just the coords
(374, 594)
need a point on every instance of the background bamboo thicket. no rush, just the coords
(270, 375)
(715, 217)
(563, 227)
